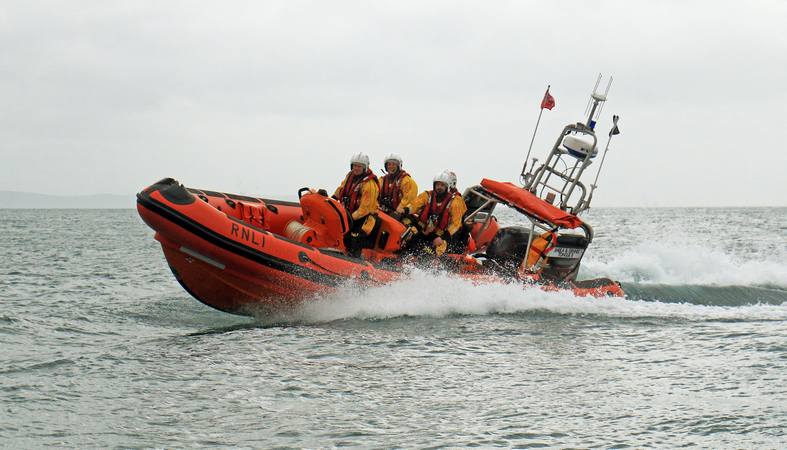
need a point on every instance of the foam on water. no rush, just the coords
(426, 294)
(658, 262)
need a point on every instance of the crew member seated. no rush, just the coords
(438, 217)
(358, 193)
(397, 189)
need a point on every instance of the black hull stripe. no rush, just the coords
(254, 255)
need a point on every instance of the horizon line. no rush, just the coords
(285, 197)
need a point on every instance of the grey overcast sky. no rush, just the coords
(264, 97)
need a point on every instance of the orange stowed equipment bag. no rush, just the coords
(253, 213)
(539, 248)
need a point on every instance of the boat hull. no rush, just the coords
(238, 267)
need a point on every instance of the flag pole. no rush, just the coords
(540, 112)
(614, 131)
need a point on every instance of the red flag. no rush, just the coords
(548, 102)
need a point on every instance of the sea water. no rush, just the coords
(100, 347)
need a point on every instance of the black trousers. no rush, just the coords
(356, 240)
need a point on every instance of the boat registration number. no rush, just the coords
(566, 252)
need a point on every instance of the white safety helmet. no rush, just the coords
(360, 158)
(447, 177)
(452, 175)
(393, 157)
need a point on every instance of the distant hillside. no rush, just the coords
(28, 200)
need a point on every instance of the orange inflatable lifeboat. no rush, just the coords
(237, 253)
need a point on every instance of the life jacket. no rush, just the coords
(351, 191)
(540, 246)
(391, 189)
(438, 213)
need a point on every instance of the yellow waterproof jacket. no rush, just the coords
(369, 190)
(409, 191)
(456, 210)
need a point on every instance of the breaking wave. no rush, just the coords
(659, 263)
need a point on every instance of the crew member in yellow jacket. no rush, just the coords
(358, 193)
(439, 214)
(397, 188)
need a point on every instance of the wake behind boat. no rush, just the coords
(237, 253)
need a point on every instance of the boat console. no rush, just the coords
(551, 197)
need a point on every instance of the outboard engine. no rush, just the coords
(562, 262)
(508, 249)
